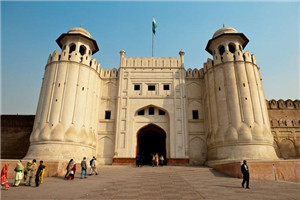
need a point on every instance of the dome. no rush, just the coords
(80, 30)
(224, 30)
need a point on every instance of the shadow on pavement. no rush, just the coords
(218, 174)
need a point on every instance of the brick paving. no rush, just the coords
(168, 182)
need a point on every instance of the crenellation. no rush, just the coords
(247, 57)
(253, 59)
(283, 105)
(138, 62)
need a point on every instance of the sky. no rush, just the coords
(29, 31)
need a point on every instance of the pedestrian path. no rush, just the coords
(168, 182)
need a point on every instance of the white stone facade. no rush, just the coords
(214, 114)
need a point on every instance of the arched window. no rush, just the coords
(82, 50)
(231, 48)
(221, 50)
(72, 48)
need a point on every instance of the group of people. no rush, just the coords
(155, 160)
(24, 173)
(71, 168)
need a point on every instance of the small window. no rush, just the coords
(151, 111)
(221, 50)
(231, 48)
(107, 114)
(137, 87)
(195, 114)
(72, 48)
(151, 87)
(141, 112)
(166, 87)
(82, 50)
(160, 112)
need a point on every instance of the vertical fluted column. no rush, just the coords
(70, 94)
(212, 99)
(245, 102)
(258, 117)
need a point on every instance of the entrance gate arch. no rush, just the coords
(151, 139)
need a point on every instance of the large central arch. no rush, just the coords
(151, 139)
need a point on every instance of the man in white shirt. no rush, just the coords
(246, 174)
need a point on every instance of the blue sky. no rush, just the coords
(29, 31)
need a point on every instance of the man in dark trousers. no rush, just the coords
(39, 173)
(245, 172)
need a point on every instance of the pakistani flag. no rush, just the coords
(154, 25)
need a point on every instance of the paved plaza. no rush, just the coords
(168, 182)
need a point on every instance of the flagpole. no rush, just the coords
(152, 42)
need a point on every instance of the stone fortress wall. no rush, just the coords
(284, 120)
(285, 124)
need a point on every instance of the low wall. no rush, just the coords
(15, 133)
(281, 170)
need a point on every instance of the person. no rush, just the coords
(246, 174)
(19, 173)
(72, 170)
(156, 159)
(67, 168)
(29, 163)
(42, 175)
(161, 159)
(153, 160)
(31, 168)
(138, 160)
(39, 174)
(93, 166)
(83, 168)
(4, 180)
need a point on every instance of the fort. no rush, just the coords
(215, 115)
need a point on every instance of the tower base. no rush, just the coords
(59, 151)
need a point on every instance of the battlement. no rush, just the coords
(194, 73)
(109, 73)
(74, 57)
(229, 57)
(151, 62)
(283, 105)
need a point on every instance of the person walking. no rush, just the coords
(19, 173)
(246, 174)
(83, 168)
(156, 159)
(161, 159)
(67, 168)
(39, 174)
(31, 168)
(153, 160)
(93, 166)
(72, 170)
(4, 180)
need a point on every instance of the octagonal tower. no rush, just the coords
(238, 123)
(65, 121)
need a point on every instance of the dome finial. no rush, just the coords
(223, 25)
(80, 25)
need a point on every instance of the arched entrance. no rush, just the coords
(151, 139)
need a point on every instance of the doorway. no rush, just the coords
(151, 139)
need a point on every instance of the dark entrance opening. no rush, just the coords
(151, 139)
